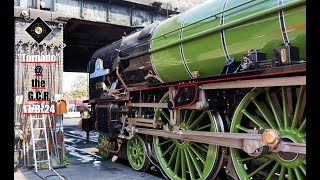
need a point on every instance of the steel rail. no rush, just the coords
(83, 151)
(80, 137)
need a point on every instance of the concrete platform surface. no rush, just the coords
(18, 175)
(96, 170)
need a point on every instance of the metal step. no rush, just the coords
(39, 139)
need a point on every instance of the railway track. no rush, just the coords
(79, 149)
(81, 137)
(152, 171)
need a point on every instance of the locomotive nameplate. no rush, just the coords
(99, 71)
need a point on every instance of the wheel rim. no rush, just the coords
(136, 152)
(183, 159)
(280, 108)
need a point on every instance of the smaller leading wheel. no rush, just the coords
(104, 142)
(136, 152)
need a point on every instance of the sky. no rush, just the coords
(68, 78)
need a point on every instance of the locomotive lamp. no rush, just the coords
(195, 74)
(286, 54)
(252, 58)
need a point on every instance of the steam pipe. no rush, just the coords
(124, 84)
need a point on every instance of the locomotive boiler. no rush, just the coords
(214, 92)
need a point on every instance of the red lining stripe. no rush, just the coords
(294, 27)
(40, 113)
(38, 62)
(207, 81)
(222, 79)
(38, 88)
(38, 100)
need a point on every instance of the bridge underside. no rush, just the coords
(83, 38)
(87, 25)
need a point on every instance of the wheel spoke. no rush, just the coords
(177, 165)
(185, 116)
(260, 168)
(203, 114)
(273, 171)
(298, 174)
(165, 142)
(298, 109)
(195, 161)
(290, 103)
(135, 140)
(303, 169)
(165, 115)
(285, 106)
(193, 113)
(200, 147)
(190, 167)
(265, 113)
(173, 156)
(274, 109)
(140, 159)
(254, 119)
(302, 126)
(249, 158)
(168, 150)
(242, 128)
(290, 175)
(183, 164)
(203, 127)
(282, 173)
(197, 153)
(303, 106)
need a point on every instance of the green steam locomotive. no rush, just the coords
(217, 91)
